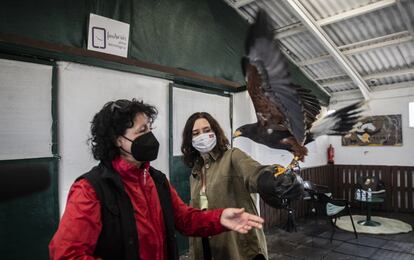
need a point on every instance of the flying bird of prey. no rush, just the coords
(287, 114)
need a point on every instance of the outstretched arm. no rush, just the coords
(195, 222)
(239, 220)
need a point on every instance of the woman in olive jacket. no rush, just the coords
(223, 177)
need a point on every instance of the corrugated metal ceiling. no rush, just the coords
(358, 44)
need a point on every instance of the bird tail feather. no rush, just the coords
(339, 122)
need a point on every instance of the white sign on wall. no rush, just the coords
(108, 36)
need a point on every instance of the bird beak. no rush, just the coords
(237, 133)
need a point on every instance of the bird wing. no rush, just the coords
(279, 104)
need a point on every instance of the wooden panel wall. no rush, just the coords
(398, 180)
(342, 180)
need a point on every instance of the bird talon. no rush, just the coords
(279, 170)
(294, 163)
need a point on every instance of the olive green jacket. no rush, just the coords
(230, 180)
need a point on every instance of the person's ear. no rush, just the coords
(118, 141)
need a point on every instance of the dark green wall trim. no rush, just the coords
(26, 47)
(55, 141)
(231, 119)
(30, 160)
(201, 86)
(170, 127)
(55, 111)
(26, 59)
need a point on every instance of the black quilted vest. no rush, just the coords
(118, 239)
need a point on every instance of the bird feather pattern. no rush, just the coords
(286, 113)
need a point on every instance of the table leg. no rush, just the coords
(368, 212)
(368, 221)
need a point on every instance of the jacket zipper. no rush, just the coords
(145, 176)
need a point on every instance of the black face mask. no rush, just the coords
(144, 148)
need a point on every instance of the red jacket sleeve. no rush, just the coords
(80, 225)
(195, 222)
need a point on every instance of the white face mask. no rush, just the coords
(204, 143)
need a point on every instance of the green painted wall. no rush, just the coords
(27, 223)
(180, 179)
(204, 36)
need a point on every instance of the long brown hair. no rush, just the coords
(189, 152)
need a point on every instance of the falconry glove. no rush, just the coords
(276, 188)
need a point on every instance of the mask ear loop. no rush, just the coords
(127, 138)
(123, 148)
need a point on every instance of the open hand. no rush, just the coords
(240, 221)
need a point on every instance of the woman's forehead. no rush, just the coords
(141, 119)
(201, 123)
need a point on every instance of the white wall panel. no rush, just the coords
(243, 113)
(25, 110)
(392, 102)
(82, 92)
(186, 102)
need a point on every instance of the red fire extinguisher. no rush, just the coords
(331, 154)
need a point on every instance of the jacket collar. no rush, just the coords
(203, 160)
(129, 171)
(112, 175)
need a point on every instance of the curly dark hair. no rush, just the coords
(111, 122)
(190, 154)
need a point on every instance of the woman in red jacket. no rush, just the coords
(125, 209)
